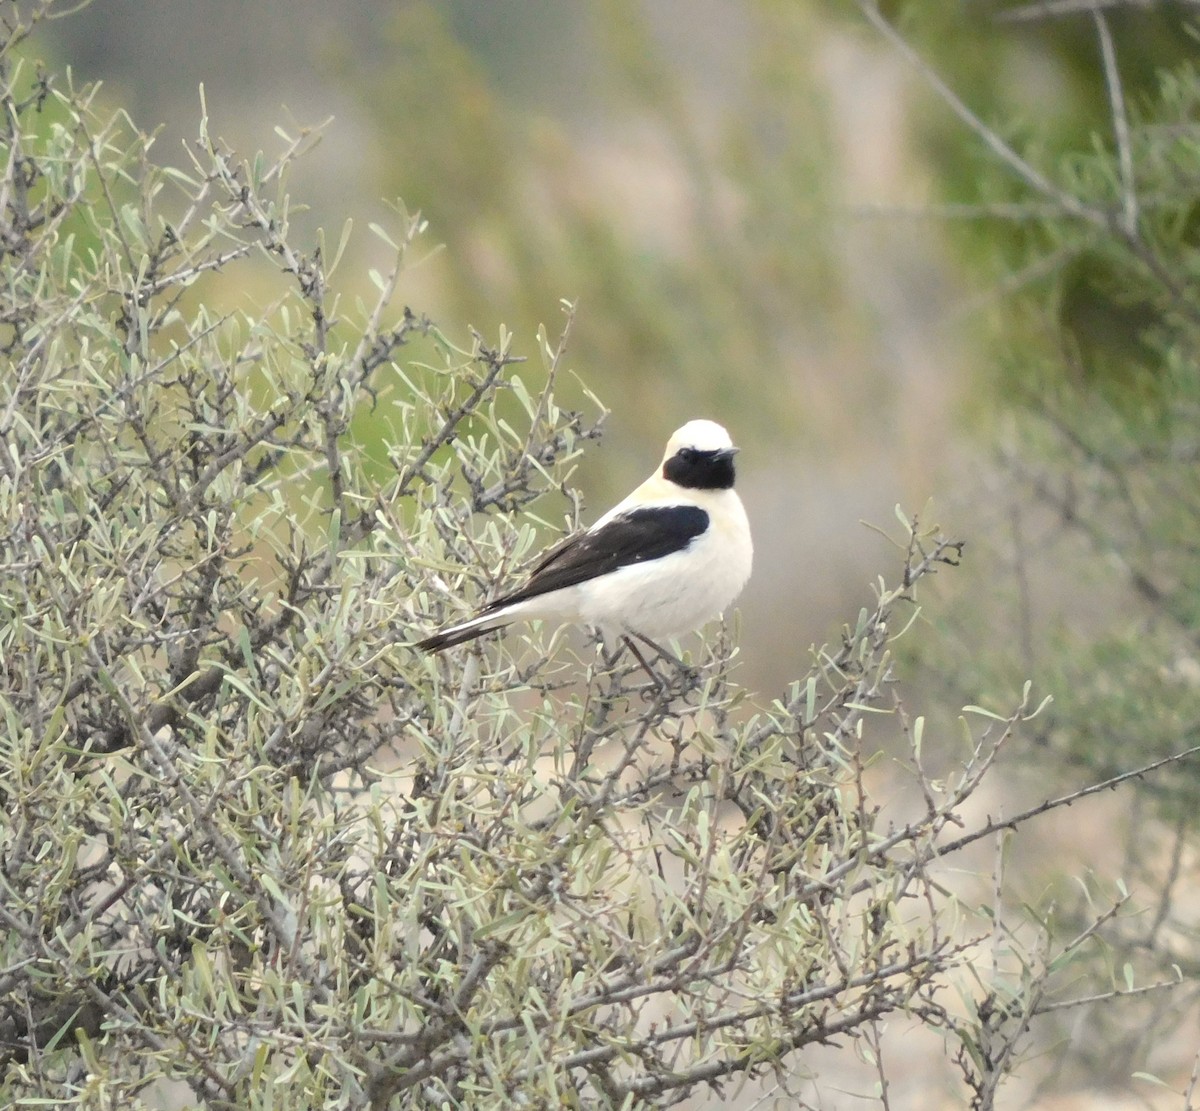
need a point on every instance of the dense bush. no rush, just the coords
(256, 851)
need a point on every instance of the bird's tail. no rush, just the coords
(465, 630)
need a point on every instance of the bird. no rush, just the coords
(663, 562)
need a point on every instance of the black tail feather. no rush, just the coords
(447, 638)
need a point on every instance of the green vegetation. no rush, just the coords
(257, 851)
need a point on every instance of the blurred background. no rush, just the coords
(768, 214)
(701, 178)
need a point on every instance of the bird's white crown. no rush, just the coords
(703, 435)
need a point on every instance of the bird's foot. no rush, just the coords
(686, 676)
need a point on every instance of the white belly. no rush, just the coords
(670, 596)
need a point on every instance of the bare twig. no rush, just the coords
(1053, 9)
(992, 825)
(1116, 96)
(1067, 202)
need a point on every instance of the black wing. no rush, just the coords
(633, 537)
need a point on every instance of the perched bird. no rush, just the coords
(664, 561)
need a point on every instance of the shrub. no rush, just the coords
(256, 850)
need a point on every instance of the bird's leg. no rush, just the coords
(654, 677)
(687, 676)
(661, 653)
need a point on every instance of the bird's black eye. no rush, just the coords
(689, 454)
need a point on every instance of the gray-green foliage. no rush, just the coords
(1083, 225)
(254, 846)
(1088, 231)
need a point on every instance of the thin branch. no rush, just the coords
(1116, 96)
(1032, 177)
(1189, 1097)
(1062, 800)
(1054, 9)
(1106, 996)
